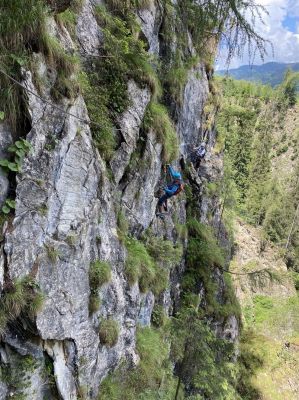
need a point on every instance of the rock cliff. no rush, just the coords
(69, 205)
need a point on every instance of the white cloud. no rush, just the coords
(285, 43)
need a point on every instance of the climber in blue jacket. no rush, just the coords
(174, 188)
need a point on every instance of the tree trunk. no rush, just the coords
(177, 389)
(292, 226)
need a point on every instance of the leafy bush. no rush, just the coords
(8, 206)
(108, 332)
(19, 149)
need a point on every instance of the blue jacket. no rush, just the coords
(174, 186)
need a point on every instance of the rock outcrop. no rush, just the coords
(67, 205)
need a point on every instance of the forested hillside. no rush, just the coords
(271, 73)
(258, 130)
(108, 289)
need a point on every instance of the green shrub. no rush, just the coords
(94, 303)
(157, 118)
(52, 253)
(176, 76)
(139, 264)
(99, 273)
(203, 256)
(158, 316)
(164, 251)
(21, 297)
(296, 280)
(152, 375)
(97, 102)
(262, 306)
(203, 248)
(122, 225)
(108, 332)
(21, 29)
(142, 267)
(65, 64)
(18, 150)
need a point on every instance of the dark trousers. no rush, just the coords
(163, 201)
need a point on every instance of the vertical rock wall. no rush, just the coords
(66, 217)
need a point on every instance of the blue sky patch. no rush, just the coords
(291, 23)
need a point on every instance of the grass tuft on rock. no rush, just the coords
(19, 298)
(157, 118)
(99, 274)
(108, 332)
(141, 267)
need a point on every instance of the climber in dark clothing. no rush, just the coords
(198, 155)
(174, 188)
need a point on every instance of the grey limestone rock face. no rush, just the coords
(3, 391)
(66, 218)
(150, 19)
(88, 32)
(190, 113)
(130, 123)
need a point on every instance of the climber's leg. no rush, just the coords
(161, 202)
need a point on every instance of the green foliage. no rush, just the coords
(19, 149)
(287, 90)
(249, 362)
(158, 316)
(122, 225)
(99, 274)
(20, 30)
(139, 265)
(157, 118)
(195, 348)
(148, 262)
(66, 66)
(203, 256)
(151, 377)
(108, 332)
(20, 298)
(163, 251)
(104, 83)
(175, 77)
(242, 107)
(68, 19)
(8, 206)
(203, 247)
(225, 22)
(97, 99)
(262, 305)
(52, 253)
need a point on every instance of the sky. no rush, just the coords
(281, 27)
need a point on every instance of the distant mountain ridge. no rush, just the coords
(271, 73)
